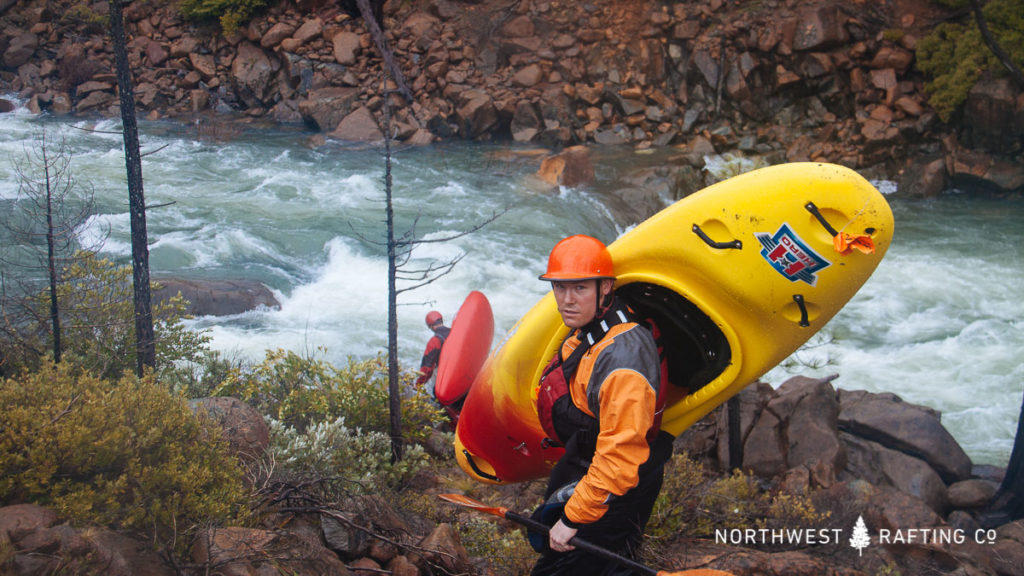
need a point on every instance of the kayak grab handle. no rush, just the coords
(821, 219)
(799, 299)
(734, 245)
(477, 470)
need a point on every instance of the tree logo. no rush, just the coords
(860, 539)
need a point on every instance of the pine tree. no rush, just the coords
(860, 539)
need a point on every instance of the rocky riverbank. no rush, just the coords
(866, 460)
(788, 80)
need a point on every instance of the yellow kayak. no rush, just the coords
(736, 276)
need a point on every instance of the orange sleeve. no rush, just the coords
(627, 403)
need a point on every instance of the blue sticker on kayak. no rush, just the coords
(791, 256)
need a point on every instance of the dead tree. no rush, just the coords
(145, 339)
(46, 231)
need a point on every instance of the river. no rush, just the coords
(939, 323)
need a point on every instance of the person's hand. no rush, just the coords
(559, 537)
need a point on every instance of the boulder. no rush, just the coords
(346, 46)
(254, 551)
(216, 297)
(991, 112)
(923, 177)
(20, 49)
(915, 430)
(244, 428)
(252, 73)
(324, 108)
(276, 34)
(442, 548)
(358, 126)
(569, 168)
(881, 466)
(477, 116)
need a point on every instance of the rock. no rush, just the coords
(20, 50)
(820, 29)
(528, 76)
(969, 494)
(253, 551)
(442, 548)
(216, 297)
(477, 116)
(252, 72)
(526, 122)
(358, 126)
(346, 47)
(6, 106)
(276, 34)
(204, 64)
(244, 427)
(881, 466)
(923, 178)
(992, 114)
(325, 107)
(892, 510)
(912, 429)
(572, 167)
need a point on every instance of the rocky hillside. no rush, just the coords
(790, 80)
(863, 459)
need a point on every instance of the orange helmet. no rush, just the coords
(433, 317)
(579, 257)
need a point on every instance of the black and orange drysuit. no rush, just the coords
(615, 453)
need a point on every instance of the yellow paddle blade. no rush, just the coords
(463, 500)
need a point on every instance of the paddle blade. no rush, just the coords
(466, 501)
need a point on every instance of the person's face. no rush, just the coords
(578, 301)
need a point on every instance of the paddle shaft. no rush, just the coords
(583, 545)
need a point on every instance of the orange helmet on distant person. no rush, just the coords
(433, 317)
(579, 257)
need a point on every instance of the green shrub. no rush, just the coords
(301, 391)
(231, 14)
(954, 54)
(125, 454)
(357, 460)
(98, 326)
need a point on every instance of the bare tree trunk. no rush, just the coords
(394, 391)
(990, 40)
(382, 46)
(51, 260)
(145, 340)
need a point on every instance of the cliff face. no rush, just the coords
(788, 79)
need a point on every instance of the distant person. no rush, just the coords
(599, 399)
(432, 354)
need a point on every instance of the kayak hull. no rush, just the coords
(465, 349)
(737, 276)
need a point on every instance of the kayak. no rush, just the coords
(465, 349)
(736, 277)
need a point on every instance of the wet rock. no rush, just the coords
(216, 297)
(572, 167)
